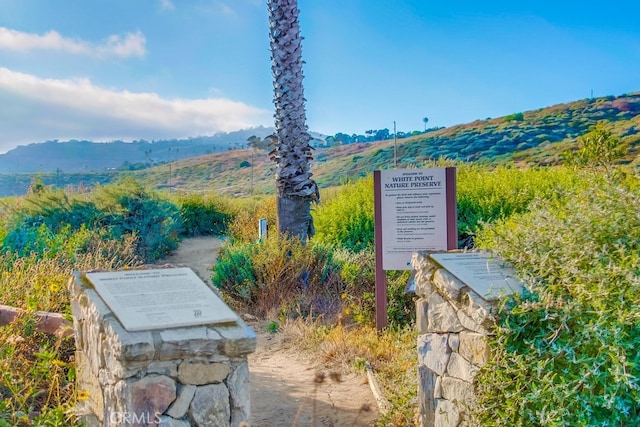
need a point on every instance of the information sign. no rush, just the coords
(160, 298)
(486, 275)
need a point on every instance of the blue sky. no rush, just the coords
(154, 69)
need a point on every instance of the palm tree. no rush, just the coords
(295, 190)
(425, 120)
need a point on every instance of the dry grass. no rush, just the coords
(37, 372)
(34, 283)
(37, 376)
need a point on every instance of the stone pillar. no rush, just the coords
(191, 376)
(453, 322)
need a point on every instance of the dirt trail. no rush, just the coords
(283, 391)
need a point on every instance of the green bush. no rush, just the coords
(50, 221)
(202, 215)
(486, 195)
(598, 148)
(346, 221)
(41, 240)
(566, 352)
(515, 117)
(128, 208)
(278, 276)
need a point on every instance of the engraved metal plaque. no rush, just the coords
(482, 272)
(160, 298)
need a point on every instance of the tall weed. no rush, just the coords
(37, 373)
(37, 377)
(246, 215)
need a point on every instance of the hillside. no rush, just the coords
(531, 137)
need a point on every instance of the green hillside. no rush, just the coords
(523, 138)
(529, 138)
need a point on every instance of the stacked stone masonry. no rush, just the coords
(453, 322)
(178, 377)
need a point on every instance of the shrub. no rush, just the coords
(346, 221)
(246, 214)
(598, 148)
(51, 221)
(202, 215)
(515, 117)
(128, 208)
(565, 353)
(487, 195)
(55, 209)
(278, 276)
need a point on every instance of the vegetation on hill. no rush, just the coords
(531, 138)
(537, 137)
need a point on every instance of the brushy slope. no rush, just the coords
(527, 138)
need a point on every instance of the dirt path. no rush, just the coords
(283, 391)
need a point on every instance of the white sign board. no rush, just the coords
(160, 298)
(262, 228)
(487, 276)
(414, 214)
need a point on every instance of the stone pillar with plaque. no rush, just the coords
(458, 296)
(158, 347)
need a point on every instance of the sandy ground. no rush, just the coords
(283, 387)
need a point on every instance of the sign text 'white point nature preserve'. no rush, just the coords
(417, 213)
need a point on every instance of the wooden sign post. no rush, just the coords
(415, 210)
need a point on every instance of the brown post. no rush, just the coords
(452, 209)
(381, 276)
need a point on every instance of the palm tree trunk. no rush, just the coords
(295, 189)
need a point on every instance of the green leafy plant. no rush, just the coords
(346, 221)
(47, 221)
(278, 275)
(129, 208)
(202, 215)
(273, 327)
(598, 148)
(565, 353)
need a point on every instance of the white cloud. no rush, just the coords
(166, 5)
(216, 8)
(43, 109)
(223, 7)
(131, 44)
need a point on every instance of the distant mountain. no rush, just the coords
(87, 156)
